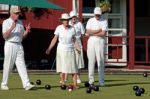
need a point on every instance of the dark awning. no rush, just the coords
(32, 3)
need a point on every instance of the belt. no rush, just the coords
(14, 42)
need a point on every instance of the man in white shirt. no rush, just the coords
(96, 29)
(13, 33)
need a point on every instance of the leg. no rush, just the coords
(10, 57)
(74, 77)
(20, 64)
(91, 61)
(66, 77)
(100, 62)
(62, 78)
(78, 77)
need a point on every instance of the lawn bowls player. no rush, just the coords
(13, 33)
(65, 58)
(79, 34)
(96, 29)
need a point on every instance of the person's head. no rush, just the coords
(14, 12)
(65, 19)
(73, 16)
(97, 13)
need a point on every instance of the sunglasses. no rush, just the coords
(65, 19)
(97, 15)
(17, 13)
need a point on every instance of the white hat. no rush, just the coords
(65, 16)
(98, 10)
(14, 9)
(72, 14)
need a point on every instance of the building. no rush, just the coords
(127, 40)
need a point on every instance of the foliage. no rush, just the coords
(105, 6)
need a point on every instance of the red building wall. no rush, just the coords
(48, 19)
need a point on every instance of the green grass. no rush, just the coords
(117, 87)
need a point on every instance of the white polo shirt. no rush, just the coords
(66, 36)
(79, 29)
(17, 33)
(95, 24)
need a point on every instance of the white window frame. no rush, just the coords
(4, 9)
(123, 32)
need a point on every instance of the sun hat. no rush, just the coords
(72, 14)
(98, 11)
(14, 9)
(65, 16)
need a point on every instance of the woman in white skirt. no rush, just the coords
(79, 33)
(65, 58)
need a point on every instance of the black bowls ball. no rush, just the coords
(38, 82)
(48, 87)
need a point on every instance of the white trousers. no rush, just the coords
(14, 53)
(95, 52)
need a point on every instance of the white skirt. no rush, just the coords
(66, 62)
(79, 59)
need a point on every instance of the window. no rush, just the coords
(4, 9)
(88, 6)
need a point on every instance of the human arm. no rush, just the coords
(77, 46)
(92, 32)
(103, 29)
(7, 33)
(27, 31)
(89, 28)
(100, 32)
(52, 44)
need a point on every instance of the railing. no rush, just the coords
(117, 59)
(4, 11)
(144, 48)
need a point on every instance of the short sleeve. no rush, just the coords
(82, 28)
(105, 25)
(88, 25)
(57, 31)
(74, 31)
(4, 27)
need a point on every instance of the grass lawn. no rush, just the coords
(117, 87)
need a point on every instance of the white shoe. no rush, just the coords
(29, 87)
(4, 87)
(102, 83)
(78, 81)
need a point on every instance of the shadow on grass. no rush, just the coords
(82, 85)
(116, 84)
(124, 84)
(106, 81)
(36, 88)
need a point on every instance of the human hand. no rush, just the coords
(78, 50)
(48, 51)
(100, 30)
(13, 25)
(28, 27)
(86, 34)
